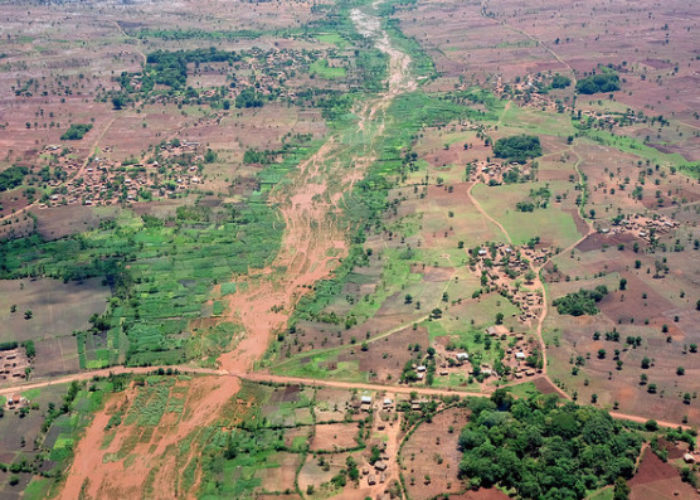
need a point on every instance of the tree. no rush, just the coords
(601, 353)
(28, 314)
(499, 318)
(646, 362)
(651, 425)
(680, 371)
(623, 284)
(621, 491)
(118, 102)
(30, 348)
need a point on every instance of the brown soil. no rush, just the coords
(205, 398)
(334, 436)
(658, 480)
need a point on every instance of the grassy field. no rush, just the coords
(552, 225)
(322, 69)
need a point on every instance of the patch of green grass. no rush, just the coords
(228, 288)
(332, 38)
(602, 494)
(37, 489)
(219, 308)
(635, 147)
(321, 68)
(551, 224)
(31, 394)
(524, 390)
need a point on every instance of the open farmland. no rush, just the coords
(404, 249)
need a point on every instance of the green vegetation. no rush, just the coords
(12, 177)
(536, 447)
(249, 98)
(321, 68)
(560, 81)
(518, 147)
(62, 426)
(160, 274)
(253, 156)
(197, 34)
(170, 67)
(76, 132)
(581, 302)
(366, 204)
(603, 82)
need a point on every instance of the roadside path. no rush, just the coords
(483, 212)
(267, 378)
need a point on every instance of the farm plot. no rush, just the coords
(430, 457)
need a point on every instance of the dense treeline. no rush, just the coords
(12, 177)
(604, 82)
(581, 302)
(518, 147)
(76, 132)
(542, 450)
(170, 68)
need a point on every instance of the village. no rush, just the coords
(640, 226)
(103, 181)
(14, 364)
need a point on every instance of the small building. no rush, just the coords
(388, 402)
(380, 466)
(366, 400)
(497, 330)
(371, 480)
(689, 458)
(421, 368)
(462, 356)
(520, 355)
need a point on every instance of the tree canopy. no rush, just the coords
(518, 147)
(604, 82)
(543, 450)
(581, 302)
